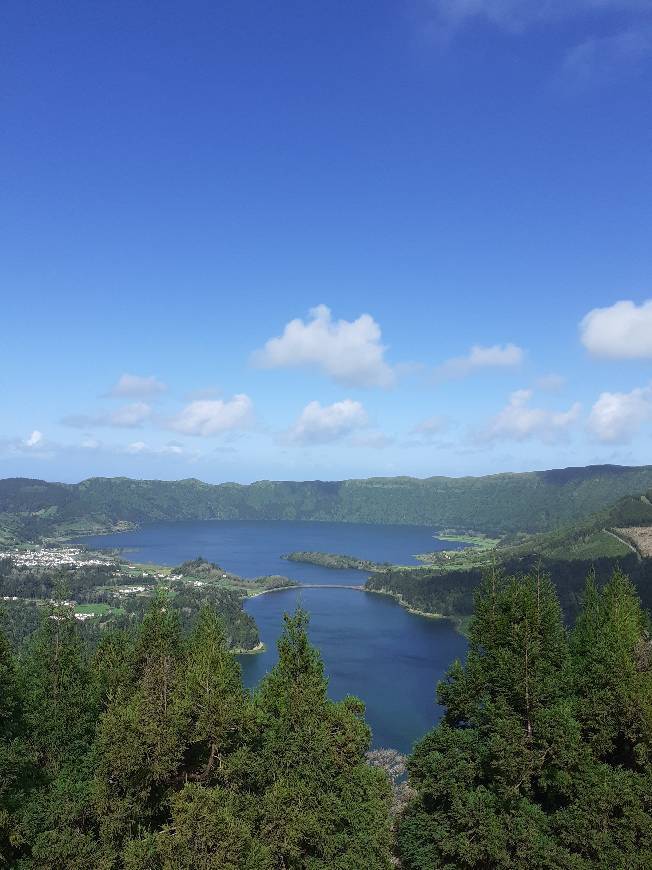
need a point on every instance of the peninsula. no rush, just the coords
(334, 560)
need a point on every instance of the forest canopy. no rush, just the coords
(543, 758)
(146, 751)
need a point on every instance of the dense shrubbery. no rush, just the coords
(150, 754)
(332, 560)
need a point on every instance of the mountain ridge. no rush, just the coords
(504, 503)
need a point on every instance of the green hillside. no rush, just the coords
(500, 504)
(595, 536)
(614, 537)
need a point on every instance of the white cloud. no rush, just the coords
(616, 417)
(205, 393)
(592, 59)
(319, 424)
(170, 449)
(213, 416)
(551, 383)
(173, 449)
(518, 15)
(430, 427)
(129, 416)
(480, 357)
(349, 351)
(622, 331)
(136, 447)
(600, 59)
(519, 422)
(35, 444)
(137, 387)
(35, 439)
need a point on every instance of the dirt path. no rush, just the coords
(624, 541)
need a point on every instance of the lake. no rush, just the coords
(371, 647)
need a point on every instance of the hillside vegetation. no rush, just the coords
(499, 504)
(333, 560)
(615, 537)
(603, 533)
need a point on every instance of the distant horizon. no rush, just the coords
(321, 479)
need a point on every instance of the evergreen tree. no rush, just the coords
(212, 819)
(613, 673)
(609, 822)
(60, 713)
(280, 784)
(140, 738)
(16, 771)
(321, 806)
(213, 699)
(214, 828)
(60, 705)
(490, 776)
(543, 757)
(113, 666)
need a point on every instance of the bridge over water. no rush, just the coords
(311, 586)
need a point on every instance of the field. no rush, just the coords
(640, 537)
(98, 609)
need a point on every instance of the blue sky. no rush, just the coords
(324, 240)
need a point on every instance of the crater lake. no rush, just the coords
(371, 646)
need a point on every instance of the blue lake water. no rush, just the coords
(371, 646)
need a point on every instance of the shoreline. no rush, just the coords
(401, 601)
(254, 651)
(394, 595)
(246, 594)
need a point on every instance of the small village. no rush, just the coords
(56, 557)
(126, 580)
(48, 558)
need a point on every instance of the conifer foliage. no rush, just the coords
(544, 756)
(152, 755)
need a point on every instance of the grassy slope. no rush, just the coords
(591, 537)
(447, 585)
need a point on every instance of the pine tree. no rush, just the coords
(489, 777)
(609, 822)
(140, 739)
(113, 666)
(212, 819)
(16, 771)
(60, 706)
(321, 806)
(613, 673)
(213, 698)
(214, 828)
(60, 712)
